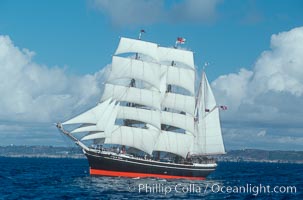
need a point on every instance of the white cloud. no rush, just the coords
(194, 10)
(280, 69)
(290, 140)
(274, 87)
(35, 93)
(10, 128)
(131, 12)
(262, 133)
(256, 138)
(232, 88)
(146, 12)
(271, 94)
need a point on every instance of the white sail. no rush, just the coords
(209, 135)
(98, 135)
(151, 73)
(91, 116)
(136, 69)
(153, 105)
(134, 95)
(182, 121)
(214, 141)
(163, 85)
(111, 120)
(143, 139)
(151, 117)
(105, 122)
(127, 45)
(160, 54)
(176, 143)
(179, 102)
(86, 129)
(177, 55)
(181, 77)
(210, 102)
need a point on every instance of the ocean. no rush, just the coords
(62, 178)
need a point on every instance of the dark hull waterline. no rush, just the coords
(123, 166)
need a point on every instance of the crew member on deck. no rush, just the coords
(123, 150)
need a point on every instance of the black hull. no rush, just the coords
(123, 166)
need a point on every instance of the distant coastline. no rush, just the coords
(246, 155)
(41, 152)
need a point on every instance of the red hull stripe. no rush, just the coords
(142, 175)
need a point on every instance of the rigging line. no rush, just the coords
(68, 142)
(214, 108)
(204, 127)
(197, 98)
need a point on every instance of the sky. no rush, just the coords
(53, 56)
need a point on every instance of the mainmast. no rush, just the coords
(158, 106)
(139, 38)
(179, 41)
(128, 122)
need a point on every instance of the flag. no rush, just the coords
(180, 40)
(223, 107)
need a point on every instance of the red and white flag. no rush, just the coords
(223, 107)
(180, 40)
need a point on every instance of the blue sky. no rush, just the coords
(73, 40)
(80, 36)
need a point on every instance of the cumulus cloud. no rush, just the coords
(36, 93)
(146, 12)
(257, 138)
(131, 11)
(262, 133)
(194, 10)
(271, 93)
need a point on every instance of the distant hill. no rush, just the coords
(249, 155)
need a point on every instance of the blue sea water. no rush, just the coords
(50, 178)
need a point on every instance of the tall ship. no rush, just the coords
(151, 121)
